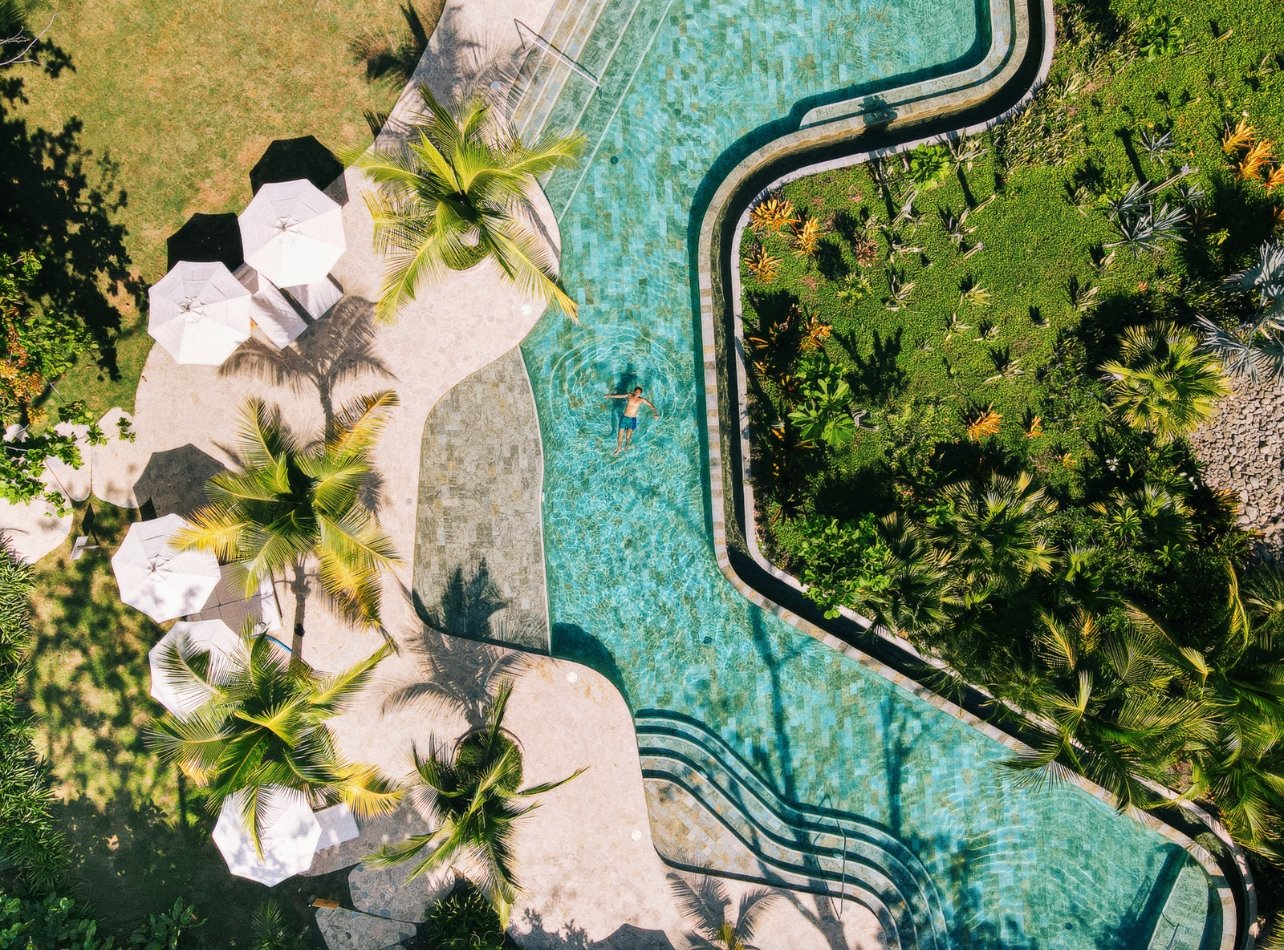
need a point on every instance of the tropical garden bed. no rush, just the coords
(972, 372)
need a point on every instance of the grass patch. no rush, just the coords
(174, 103)
(137, 840)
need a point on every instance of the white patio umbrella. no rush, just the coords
(292, 233)
(199, 313)
(289, 836)
(157, 579)
(184, 695)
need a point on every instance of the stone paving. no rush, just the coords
(479, 549)
(345, 929)
(385, 892)
(1241, 450)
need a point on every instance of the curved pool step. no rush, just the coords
(714, 795)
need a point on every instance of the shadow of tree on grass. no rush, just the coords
(58, 199)
(388, 55)
(137, 837)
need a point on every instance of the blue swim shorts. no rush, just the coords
(628, 423)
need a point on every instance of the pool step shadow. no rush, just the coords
(711, 812)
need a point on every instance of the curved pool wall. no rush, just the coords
(687, 92)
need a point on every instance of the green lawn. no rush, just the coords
(137, 841)
(178, 101)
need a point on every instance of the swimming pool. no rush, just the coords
(666, 89)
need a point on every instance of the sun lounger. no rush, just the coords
(317, 298)
(269, 309)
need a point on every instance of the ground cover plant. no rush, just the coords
(972, 369)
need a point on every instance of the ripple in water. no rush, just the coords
(612, 359)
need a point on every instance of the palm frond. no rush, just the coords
(359, 423)
(331, 694)
(365, 791)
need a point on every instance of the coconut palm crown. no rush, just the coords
(291, 500)
(454, 194)
(475, 801)
(1162, 383)
(264, 726)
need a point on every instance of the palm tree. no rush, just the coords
(291, 500)
(1241, 676)
(994, 536)
(452, 195)
(917, 603)
(1162, 383)
(1150, 515)
(264, 726)
(1255, 346)
(1102, 696)
(707, 904)
(476, 799)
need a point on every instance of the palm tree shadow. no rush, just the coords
(461, 671)
(395, 55)
(331, 352)
(459, 675)
(467, 605)
(707, 906)
(486, 64)
(467, 59)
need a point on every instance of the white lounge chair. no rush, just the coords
(269, 309)
(317, 298)
(337, 826)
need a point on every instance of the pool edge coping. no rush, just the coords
(846, 130)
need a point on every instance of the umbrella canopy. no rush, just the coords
(183, 695)
(199, 313)
(292, 233)
(289, 836)
(160, 581)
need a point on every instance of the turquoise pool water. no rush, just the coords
(634, 589)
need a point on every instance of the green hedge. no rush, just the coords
(32, 852)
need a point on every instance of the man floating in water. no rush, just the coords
(629, 421)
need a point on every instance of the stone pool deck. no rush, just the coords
(479, 547)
